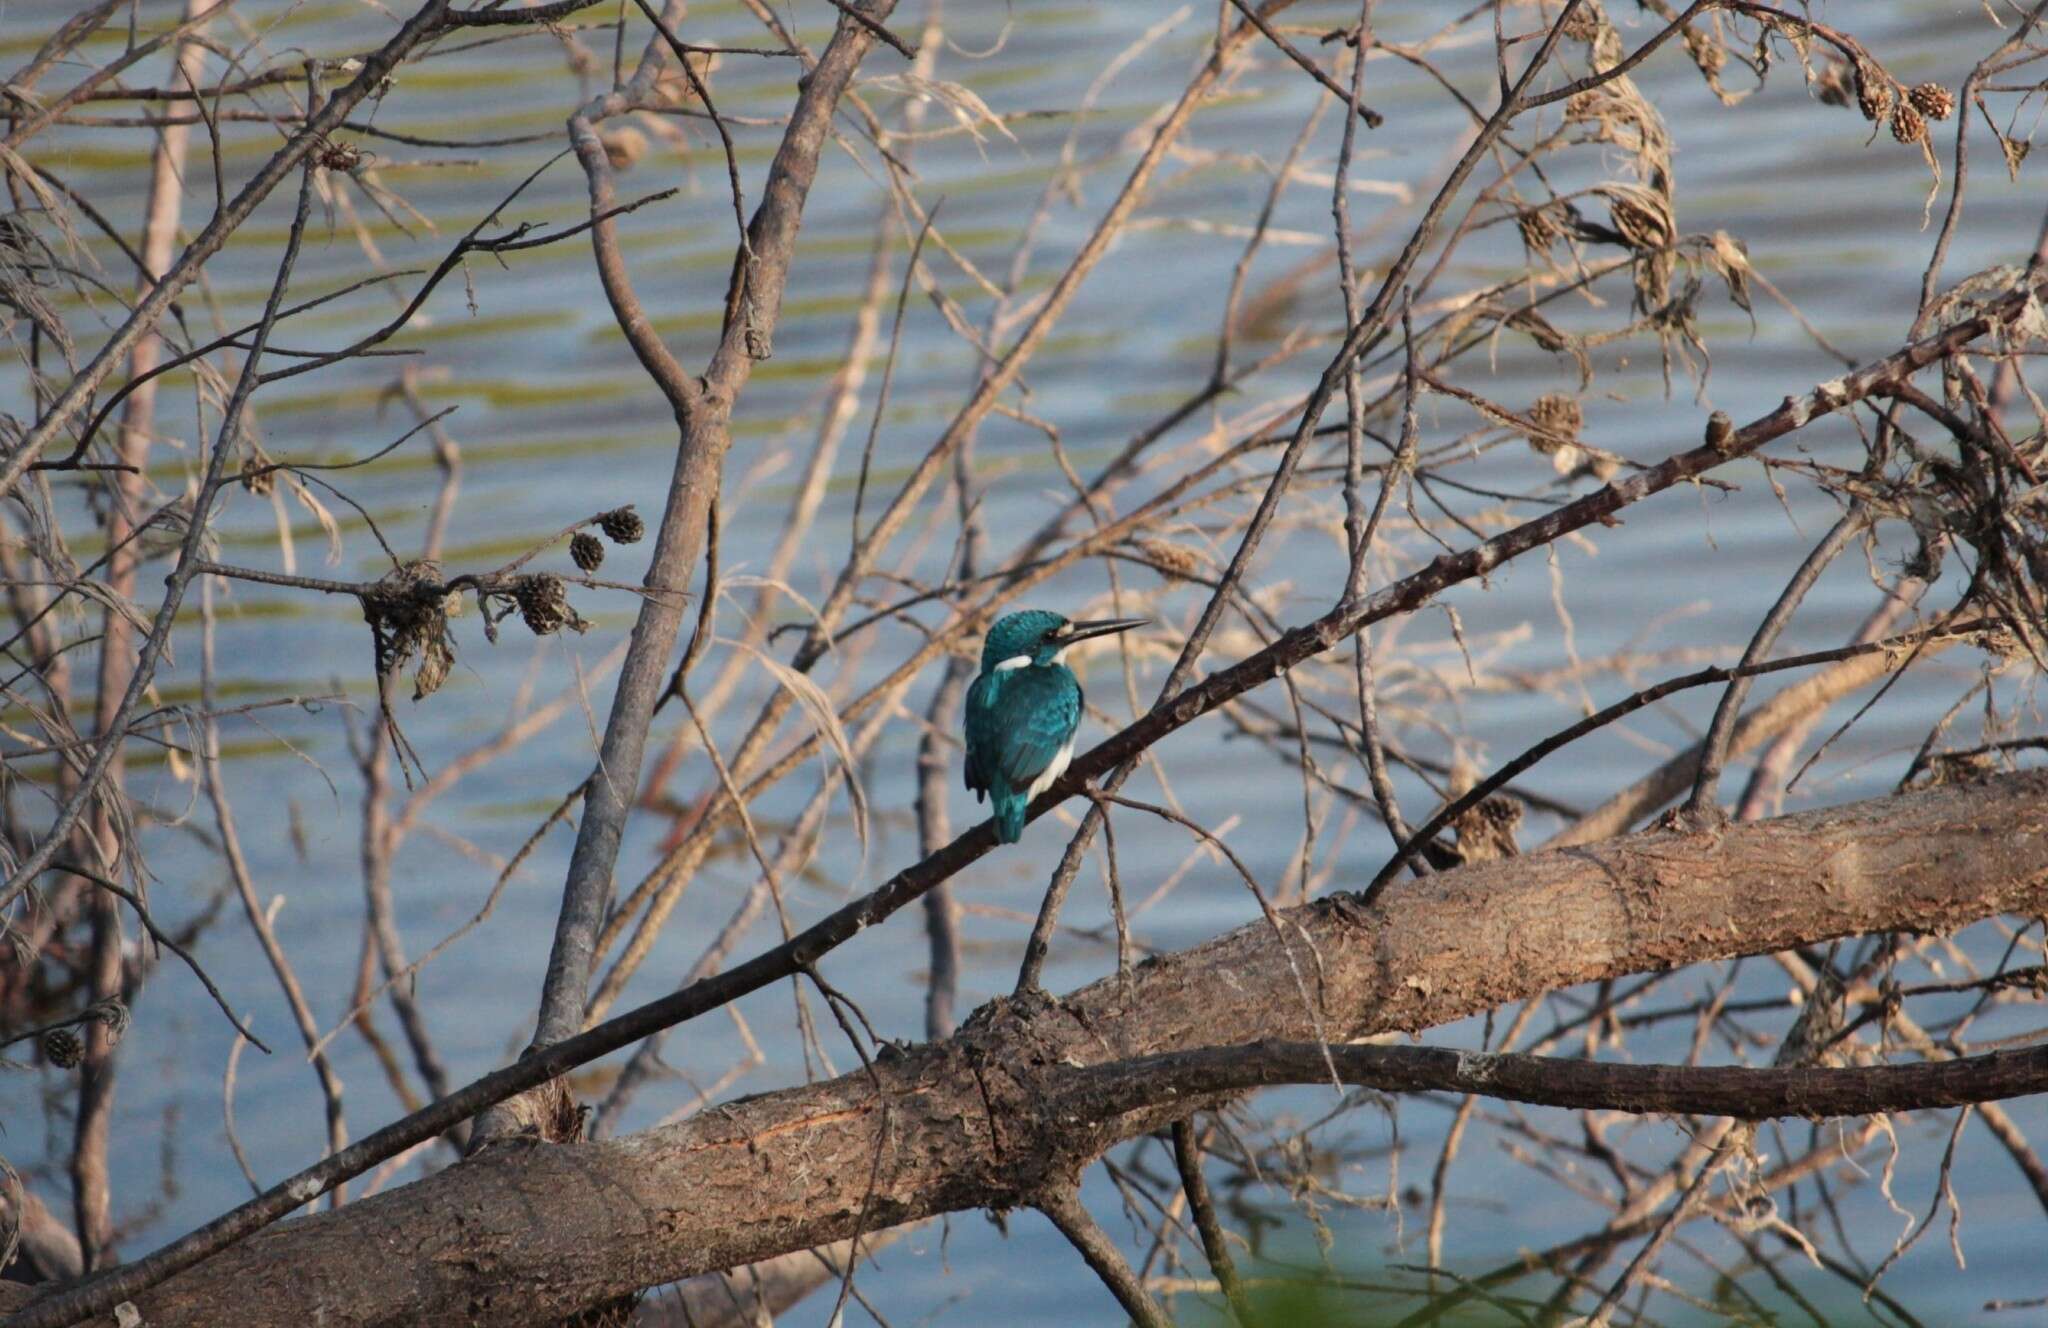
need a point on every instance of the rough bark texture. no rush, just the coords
(740, 1297)
(526, 1233)
(1744, 1092)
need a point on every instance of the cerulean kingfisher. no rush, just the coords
(1023, 709)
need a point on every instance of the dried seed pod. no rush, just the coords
(1643, 216)
(1998, 643)
(436, 658)
(340, 156)
(1873, 92)
(257, 479)
(62, 1048)
(1560, 417)
(1907, 124)
(542, 619)
(1933, 101)
(1540, 227)
(404, 619)
(2015, 150)
(543, 604)
(1170, 559)
(587, 551)
(1958, 768)
(1486, 833)
(1706, 52)
(622, 525)
(1584, 23)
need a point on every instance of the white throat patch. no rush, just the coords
(1014, 662)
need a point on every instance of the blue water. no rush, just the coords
(556, 422)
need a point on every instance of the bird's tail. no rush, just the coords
(1009, 807)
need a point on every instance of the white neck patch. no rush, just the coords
(1014, 662)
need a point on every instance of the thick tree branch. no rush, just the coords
(530, 1234)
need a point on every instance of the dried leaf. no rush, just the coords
(1731, 260)
(968, 110)
(320, 514)
(825, 719)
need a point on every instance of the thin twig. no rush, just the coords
(1187, 1156)
(1705, 801)
(1062, 1205)
(1628, 705)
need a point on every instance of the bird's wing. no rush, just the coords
(981, 729)
(1035, 715)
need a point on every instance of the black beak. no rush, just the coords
(1082, 631)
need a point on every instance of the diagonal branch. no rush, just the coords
(1020, 1097)
(1372, 118)
(1062, 1206)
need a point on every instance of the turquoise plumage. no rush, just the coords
(1023, 709)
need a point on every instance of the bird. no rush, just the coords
(1023, 708)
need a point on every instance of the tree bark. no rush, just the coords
(999, 1115)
